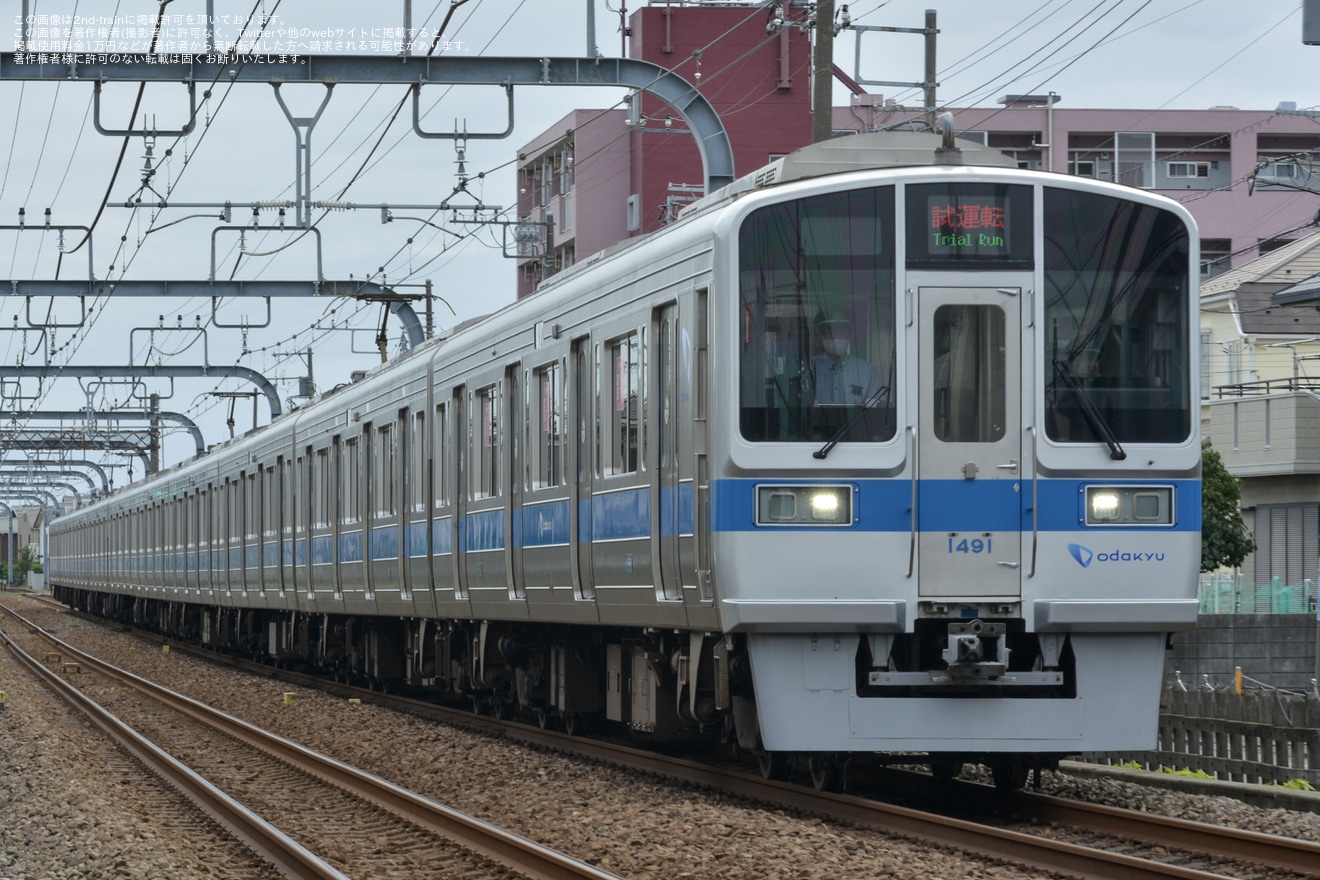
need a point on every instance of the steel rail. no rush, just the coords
(1073, 859)
(1302, 856)
(1021, 848)
(512, 851)
(268, 842)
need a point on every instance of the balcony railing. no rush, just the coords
(1267, 386)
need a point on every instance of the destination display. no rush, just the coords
(968, 224)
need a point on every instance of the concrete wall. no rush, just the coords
(1276, 649)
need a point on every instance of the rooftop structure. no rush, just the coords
(1250, 177)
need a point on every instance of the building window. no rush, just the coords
(1134, 158)
(1216, 256)
(1278, 171)
(1189, 169)
(1266, 245)
(1082, 168)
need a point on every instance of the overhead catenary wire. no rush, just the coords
(99, 303)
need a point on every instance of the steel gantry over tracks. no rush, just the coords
(410, 70)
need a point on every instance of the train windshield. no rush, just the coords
(816, 342)
(1116, 321)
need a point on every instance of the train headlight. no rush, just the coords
(1128, 505)
(824, 506)
(804, 505)
(1102, 506)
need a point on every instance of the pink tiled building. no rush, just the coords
(1248, 176)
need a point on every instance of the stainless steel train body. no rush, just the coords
(656, 492)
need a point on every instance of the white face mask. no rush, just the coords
(836, 347)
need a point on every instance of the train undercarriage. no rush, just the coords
(659, 685)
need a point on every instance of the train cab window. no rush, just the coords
(548, 447)
(970, 372)
(485, 452)
(1116, 321)
(816, 336)
(626, 405)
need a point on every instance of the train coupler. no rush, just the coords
(976, 651)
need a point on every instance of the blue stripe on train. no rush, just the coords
(882, 506)
(953, 505)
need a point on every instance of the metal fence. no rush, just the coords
(1229, 594)
(1260, 736)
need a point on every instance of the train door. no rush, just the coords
(460, 447)
(969, 503)
(665, 501)
(337, 515)
(514, 433)
(584, 406)
(371, 489)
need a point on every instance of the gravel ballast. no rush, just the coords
(633, 826)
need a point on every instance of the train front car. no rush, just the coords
(961, 508)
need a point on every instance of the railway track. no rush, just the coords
(361, 825)
(1068, 837)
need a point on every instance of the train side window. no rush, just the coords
(440, 455)
(350, 482)
(389, 452)
(418, 483)
(548, 467)
(485, 453)
(203, 530)
(599, 444)
(270, 517)
(234, 491)
(321, 489)
(370, 471)
(383, 460)
(252, 495)
(516, 419)
(626, 405)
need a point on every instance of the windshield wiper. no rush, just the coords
(1093, 416)
(852, 420)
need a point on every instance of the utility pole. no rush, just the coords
(931, 32)
(822, 83)
(153, 447)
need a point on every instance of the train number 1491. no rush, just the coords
(972, 545)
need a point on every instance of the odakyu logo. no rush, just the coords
(1085, 556)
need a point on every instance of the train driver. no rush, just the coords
(841, 377)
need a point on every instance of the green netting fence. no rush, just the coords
(1230, 594)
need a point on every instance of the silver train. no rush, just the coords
(882, 449)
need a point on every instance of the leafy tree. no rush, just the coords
(1225, 541)
(27, 562)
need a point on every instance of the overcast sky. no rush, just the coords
(1115, 53)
